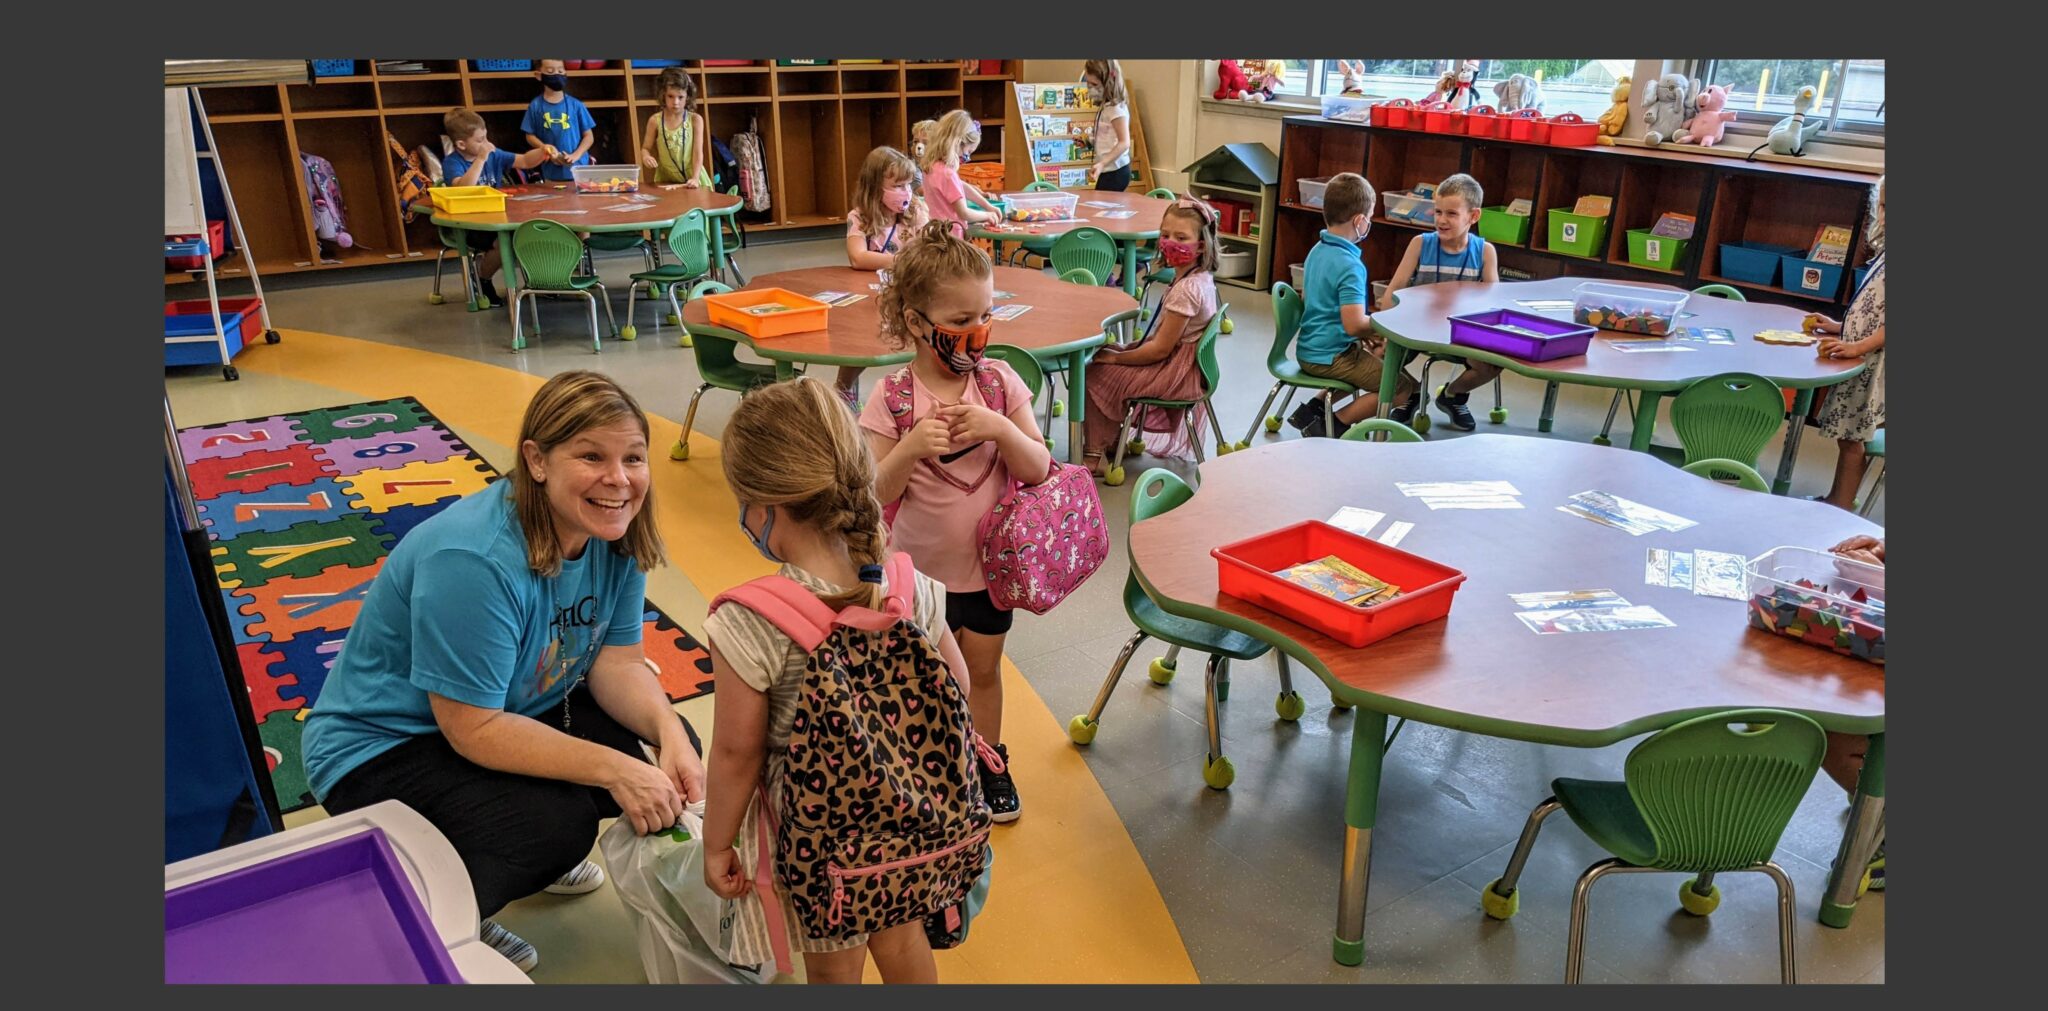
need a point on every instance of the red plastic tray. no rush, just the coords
(1482, 121)
(1571, 130)
(1525, 125)
(1437, 117)
(1395, 113)
(1245, 570)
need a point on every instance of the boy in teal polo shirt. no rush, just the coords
(1336, 339)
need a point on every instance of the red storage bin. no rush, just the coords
(1571, 130)
(1395, 113)
(1482, 121)
(1526, 125)
(1245, 570)
(1436, 117)
(216, 244)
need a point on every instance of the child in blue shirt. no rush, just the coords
(1451, 253)
(1336, 339)
(558, 124)
(478, 162)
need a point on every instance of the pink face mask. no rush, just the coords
(1177, 254)
(897, 198)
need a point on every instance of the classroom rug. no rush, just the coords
(302, 510)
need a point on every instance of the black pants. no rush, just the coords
(1118, 180)
(516, 834)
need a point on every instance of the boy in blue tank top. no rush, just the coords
(1450, 253)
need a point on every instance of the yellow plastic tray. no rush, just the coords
(467, 199)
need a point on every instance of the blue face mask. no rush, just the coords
(760, 541)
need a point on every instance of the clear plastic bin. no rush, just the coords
(1312, 190)
(1236, 263)
(606, 178)
(1405, 206)
(1041, 206)
(1627, 309)
(1348, 108)
(1812, 596)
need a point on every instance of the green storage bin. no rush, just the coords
(1498, 226)
(1576, 234)
(1657, 252)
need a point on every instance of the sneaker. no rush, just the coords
(494, 298)
(1000, 790)
(1407, 411)
(584, 877)
(1308, 419)
(852, 398)
(1455, 409)
(1876, 871)
(511, 945)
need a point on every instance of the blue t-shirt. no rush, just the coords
(1332, 278)
(459, 613)
(561, 124)
(1433, 264)
(498, 167)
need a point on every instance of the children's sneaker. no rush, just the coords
(852, 398)
(1407, 411)
(1875, 872)
(1306, 413)
(494, 298)
(1455, 409)
(585, 877)
(1000, 790)
(511, 945)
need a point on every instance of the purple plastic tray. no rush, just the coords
(340, 912)
(1488, 331)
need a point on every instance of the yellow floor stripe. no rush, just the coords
(1073, 901)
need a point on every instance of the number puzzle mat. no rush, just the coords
(302, 510)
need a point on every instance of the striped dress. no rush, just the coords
(1179, 377)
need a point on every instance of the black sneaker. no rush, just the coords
(1308, 419)
(493, 299)
(1000, 790)
(1406, 411)
(1455, 409)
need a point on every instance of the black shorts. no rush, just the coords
(976, 612)
(1117, 179)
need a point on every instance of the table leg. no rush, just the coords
(1361, 808)
(1393, 358)
(1077, 405)
(1544, 419)
(784, 370)
(1130, 268)
(1646, 422)
(1801, 403)
(1859, 841)
(511, 269)
(718, 250)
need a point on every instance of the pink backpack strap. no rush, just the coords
(787, 605)
(992, 391)
(898, 398)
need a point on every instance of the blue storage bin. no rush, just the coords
(334, 68)
(192, 317)
(1861, 273)
(641, 64)
(501, 66)
(1752, 262)
(1811, 277)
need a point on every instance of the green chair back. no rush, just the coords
(1087, 247)
(1721, 291)
(1730, 416)
(454, 239)
(1020, 362)
(1287, 308)
(1715, 469)
(548, 253)
(1205, 352)
(1162, 193)
(1080, 275)
(690, 241)
(612, 242)
(1396, 432)
(1041, 186)
(717, 358)
(1717, 791)
(1158, 491)
(1875, 447)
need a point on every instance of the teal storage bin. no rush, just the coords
(1752, 262)
(1811, 277)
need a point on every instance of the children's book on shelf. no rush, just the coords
(1594, 206)
(1034, 126)
(1831, 245)
(1341, 581)
(1520, 208)
(1673, 225)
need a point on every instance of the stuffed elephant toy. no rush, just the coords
(1519, 91)
(1667, 105)
(1790, 134)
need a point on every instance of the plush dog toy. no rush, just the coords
(1519, 91)
(1616, 117)
(1231, 84)
(1711, 121)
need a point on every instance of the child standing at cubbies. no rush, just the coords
(676, 147)
(886, 212)
(949, 432)
(1162, 365)
(1450, 253)
(478, 162)
(806, 487)
(558, 124)
(1855, 407)
(1336, 339)
(1105, 81)
(944, 193)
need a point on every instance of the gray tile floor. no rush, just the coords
(1250, 874)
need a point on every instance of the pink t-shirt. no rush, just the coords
(936, 523)
(942, 191)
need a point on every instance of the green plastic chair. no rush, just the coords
(613, 242)
(1080, 275)
(1396, 432)
(1711, 795)
(1058, 370)
(1730, 417)
(455, 240)
(720, 367)
(1148, 253)
(1714, 290)
(1874, 451)
(1212, 378)
(1087, 247)
(1158, 492)
(1287, 374)
(1715, 469)
(1027, 369)
(547, 254)
(690, 241)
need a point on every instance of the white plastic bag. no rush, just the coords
(660, 878)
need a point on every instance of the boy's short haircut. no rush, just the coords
(1462, 185)
(1347, 196)
(461, 124)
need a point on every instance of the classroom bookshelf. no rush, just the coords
(1032, 155)
(817, 121)
(1733, 202)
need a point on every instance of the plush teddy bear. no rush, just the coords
(1664, 108)
(1455, 86)
(1616, 117)
(1519, 91)
(1231, 84)
(1711, 121)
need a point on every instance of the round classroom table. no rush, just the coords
(1419, 322)
(1480, 670)
(1066, 321)
(555, 201)
(1142, 225)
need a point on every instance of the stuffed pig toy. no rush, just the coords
(1707, 125)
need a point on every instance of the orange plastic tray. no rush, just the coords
(732, 310)
(1245, 570)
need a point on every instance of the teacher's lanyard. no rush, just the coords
(583, 666)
